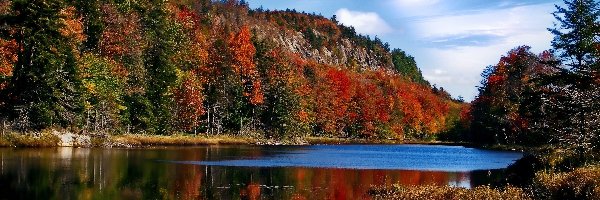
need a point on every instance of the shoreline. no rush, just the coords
(54, 138)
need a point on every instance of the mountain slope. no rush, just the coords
(214, 67)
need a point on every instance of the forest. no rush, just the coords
(221, 68)
(183, 68)
(207, 67)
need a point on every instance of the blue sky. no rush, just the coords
(451, 40)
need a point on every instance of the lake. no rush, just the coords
(241, 172)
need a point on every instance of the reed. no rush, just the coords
(582, 183)
(430, 192)
(38, 139)
(139, 140)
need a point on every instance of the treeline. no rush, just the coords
(113, 66)
(550, 98)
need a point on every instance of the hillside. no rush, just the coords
(198, 66)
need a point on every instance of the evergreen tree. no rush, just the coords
(574, 91)
(406, 65)
(576, 36)
(44, 88)
(92, 21)
(163, 35)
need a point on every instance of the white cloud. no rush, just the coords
(457, 67)
(497, 23)
(363, 22)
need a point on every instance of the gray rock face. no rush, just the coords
(341, 53)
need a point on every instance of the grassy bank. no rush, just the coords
(143, 140)
(137, 140)
(57, 137)
(54, 137)
(581, 183)
(397, 192)
(38, 139)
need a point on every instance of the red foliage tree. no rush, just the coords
(122, 35)
(8, 50)
(188, 98)
(333, 93)
(372, 105)
(8, 57)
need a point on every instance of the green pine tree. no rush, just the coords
(575, 92)
(406, 65)
(164, 37)
(92, 21)
(44, 89)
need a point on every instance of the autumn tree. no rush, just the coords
(8, 58)
(371, 107)
(497, 111)
(8, 49)
(188, 102)
(192, 71)
(282, 106)
(103, 91)
(44, 88)
(458, 123)
(249, 94)
(242, 50)
(122, 41)
(333, 94)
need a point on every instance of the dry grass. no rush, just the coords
(447, 192)
(582, 183)
(4, 142)
(136, 140)
(39, 139)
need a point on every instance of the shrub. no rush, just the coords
(581, 183)
(4, 142)
(136, 140)
(39, 139)
(446, 192)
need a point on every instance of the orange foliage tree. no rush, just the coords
(242, 50)
(73, 26)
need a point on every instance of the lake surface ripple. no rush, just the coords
(241, 172)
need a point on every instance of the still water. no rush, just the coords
(240, 172)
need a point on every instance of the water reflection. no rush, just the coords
(73, 173)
